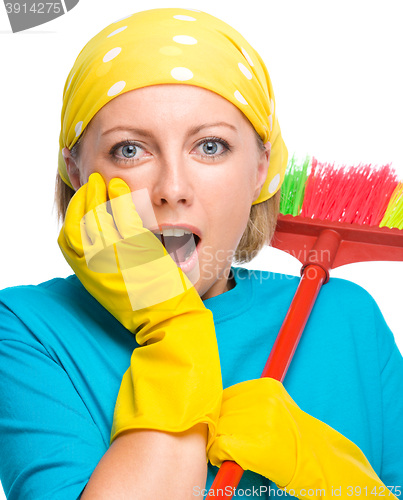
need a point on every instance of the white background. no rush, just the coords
(336, 73)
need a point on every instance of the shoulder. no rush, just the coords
(340, 303)
(337, 293)
(26, 309)
(55, 313)
(344, 292)
(49, 288)
(351, 307)
(23, 298)
(344, 316)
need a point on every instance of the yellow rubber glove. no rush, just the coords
(174, 380)
(263, 430)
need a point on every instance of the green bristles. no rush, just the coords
(293, 187)
(394, 213)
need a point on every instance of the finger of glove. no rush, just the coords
(128, 221)
(100, 224)
(219, 451)
(264, 446)
(250, 417)
(130, 225)
(252, 453)
(243, 394)
(150, 274)
(253, 404)
(265, 390)
(239, 449)
(73, 233)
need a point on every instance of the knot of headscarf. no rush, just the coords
(163, 46)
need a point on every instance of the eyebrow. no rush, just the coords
(192, 131)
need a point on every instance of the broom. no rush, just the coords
(329, 218)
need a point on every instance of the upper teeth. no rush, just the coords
(175, 232)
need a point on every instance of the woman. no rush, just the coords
(199, 147)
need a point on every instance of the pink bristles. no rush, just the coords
(356, 194)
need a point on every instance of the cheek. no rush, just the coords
(230, 202)
(95, 161)
(88, 166)
(229, 220)
(105, 171)
(238, 193)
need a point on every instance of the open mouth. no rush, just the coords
(181, 248)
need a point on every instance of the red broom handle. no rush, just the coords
(314, 273)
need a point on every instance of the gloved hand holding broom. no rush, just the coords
(263, 430)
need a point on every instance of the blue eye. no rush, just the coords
(210, 147)
(129, 151)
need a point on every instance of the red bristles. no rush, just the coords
(357, 194)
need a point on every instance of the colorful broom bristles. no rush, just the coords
(358, 194)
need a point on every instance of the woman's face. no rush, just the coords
(196, 154)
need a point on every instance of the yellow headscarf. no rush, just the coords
(163, 46)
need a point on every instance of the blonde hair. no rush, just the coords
(258, 232)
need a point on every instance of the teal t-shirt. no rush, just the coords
(63, 356)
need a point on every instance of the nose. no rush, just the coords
(174, 185)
